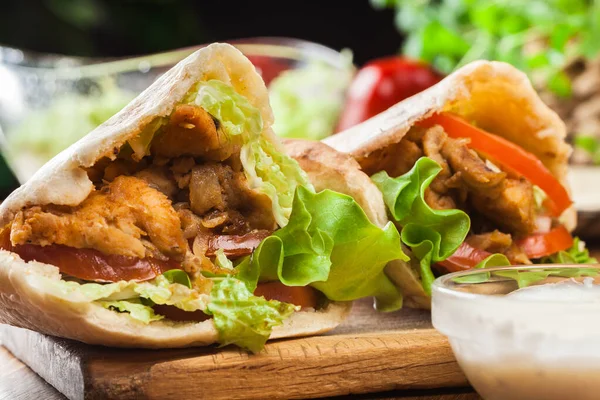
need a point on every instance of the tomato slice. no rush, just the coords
(509, 155)
(465, 257)
(303, 296)
(543, 244)
(89, 264)
(235, 246)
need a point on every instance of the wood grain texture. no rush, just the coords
(17, 382)
(372, 352)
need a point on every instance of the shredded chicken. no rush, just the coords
(516, 255)
(436, 195)
(158, 178)
(387, 159)
(508, 202)
(193, 131)
(475, 173)
(492, 197)
(493, 242)
(218, 189)
(118, 219)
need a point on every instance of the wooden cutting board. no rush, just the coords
(371, 352)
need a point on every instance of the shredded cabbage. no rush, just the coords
(267, 169)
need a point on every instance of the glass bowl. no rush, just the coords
(524, 332)
(50, 101)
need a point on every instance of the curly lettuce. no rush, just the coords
(242, 318)
(330, 244)
(576, 254)
(433, 235)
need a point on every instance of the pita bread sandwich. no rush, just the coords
(473, 173)
(181, 221)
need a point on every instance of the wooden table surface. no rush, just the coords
(18, 382)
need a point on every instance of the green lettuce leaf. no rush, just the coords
(242, 318)
(494, 260)
(235, 113)
(330, 244)
(164, 289)
(178, 276)
(576, 254)
(527, 278)
(274, 173)
(135, 308)
(267, 168)
(433, 235)
(222, 261)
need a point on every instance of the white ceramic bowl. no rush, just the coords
(541, 342)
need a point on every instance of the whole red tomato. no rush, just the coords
(382, 83)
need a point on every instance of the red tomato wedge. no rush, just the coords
(508, 155)
(544, 244)
(89, 264)
(465, 257)
(303, 296)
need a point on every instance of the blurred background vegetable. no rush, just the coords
(556, 42)
(380, 84)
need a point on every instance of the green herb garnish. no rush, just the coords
(536, 36)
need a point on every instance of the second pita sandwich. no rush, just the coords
(473, 172)
(181, 221)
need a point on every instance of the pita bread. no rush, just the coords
(330, 169)
(63, 181)
(498, 98)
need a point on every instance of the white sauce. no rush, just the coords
(539, 342)
(567, 291)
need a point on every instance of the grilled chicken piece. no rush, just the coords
(158, 178)
(493, 242)
(507, 202)
(192, 131)
(216, 189)
(438, 201)
(396, 159)
(475, 173)
(117, 219)
(510, 204)
(516, 255)
(433, 141)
